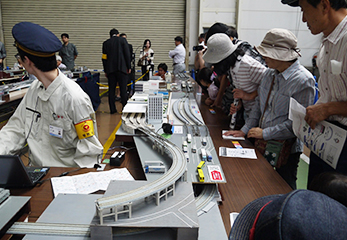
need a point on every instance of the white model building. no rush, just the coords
(155, 108)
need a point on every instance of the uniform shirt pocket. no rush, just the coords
(68, 133)
(336, 67)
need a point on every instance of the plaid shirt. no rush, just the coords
(297, 82)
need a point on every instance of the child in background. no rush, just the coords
(207, 78)
(162, 69)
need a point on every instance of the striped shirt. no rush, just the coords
(247, 75)
(296, 82)
(332, 65)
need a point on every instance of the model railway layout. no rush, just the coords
(161, 188)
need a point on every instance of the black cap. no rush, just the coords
(35, 39)
(293, 3)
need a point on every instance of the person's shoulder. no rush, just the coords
(252, 62)
(269, 72)
(106, 41)
(35, 84)
(299, 69)
(300, 76)
(121, 39)
(71, 86)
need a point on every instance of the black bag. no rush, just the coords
(249, 50)
(139, 62)
(89, 84)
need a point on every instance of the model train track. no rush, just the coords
(83, 230)
(158, 188)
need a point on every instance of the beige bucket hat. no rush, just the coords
(279, 44)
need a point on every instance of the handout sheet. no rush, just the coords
(237, 153)
(88, 182)
(326, 140)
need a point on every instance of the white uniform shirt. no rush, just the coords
(178, 54)
(62, 105)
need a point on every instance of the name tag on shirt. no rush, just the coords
(55, 131)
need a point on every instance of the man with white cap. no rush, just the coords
(268, 120)
(56, 117)
(330, 18)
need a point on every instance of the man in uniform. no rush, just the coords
(55, 118)
(330, 18)
(116, 61)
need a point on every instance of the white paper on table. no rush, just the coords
(104, 178)
(63, 185)
(231, 137)
(88, 182)
(326, 140)
(85, 183)
(237, 153)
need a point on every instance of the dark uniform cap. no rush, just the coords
(293, 3)
(300, 214)
(35, 39)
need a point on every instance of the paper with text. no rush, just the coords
(237, 153)
(88, 182)
(326, 140)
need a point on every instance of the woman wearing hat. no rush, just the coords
(246, 72)
(268, 120)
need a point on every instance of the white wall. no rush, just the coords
(193, 28)
(213, 11)
(256, 17)
(204, 13)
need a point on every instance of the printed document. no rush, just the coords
(237, 153)
(88, 182)
(326, 140)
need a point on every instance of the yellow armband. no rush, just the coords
(104, 56)
(85, 129)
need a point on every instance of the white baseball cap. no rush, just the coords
(219, 47)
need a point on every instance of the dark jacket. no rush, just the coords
(116, 55)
